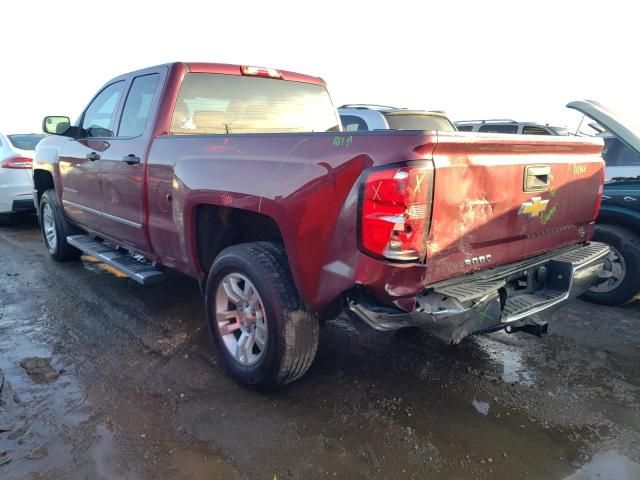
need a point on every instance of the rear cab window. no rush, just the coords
(465, 128)
(211, 103)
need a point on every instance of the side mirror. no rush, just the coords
(56, 125)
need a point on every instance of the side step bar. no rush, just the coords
(142, 272)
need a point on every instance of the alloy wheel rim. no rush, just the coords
(616, 269)
(49, 227)
(241, 319)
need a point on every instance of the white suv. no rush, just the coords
(510, 126)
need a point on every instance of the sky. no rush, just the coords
(473, 59)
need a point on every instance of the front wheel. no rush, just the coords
(55, 229)
(622, 267)
(259, 326)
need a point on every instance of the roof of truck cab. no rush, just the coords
(226, 69)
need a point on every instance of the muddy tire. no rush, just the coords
(624, 264)
(55, 229)
(258, 324)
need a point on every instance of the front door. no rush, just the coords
(80, 159)
(122, 166)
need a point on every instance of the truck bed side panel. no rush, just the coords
(308, 183)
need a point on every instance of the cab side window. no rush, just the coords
(498, 128)
(136, 109)
(98, 117)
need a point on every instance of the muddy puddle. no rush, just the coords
(105, 379)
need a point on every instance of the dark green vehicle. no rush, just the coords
(618, 222)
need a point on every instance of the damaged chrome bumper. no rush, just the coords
(507, 297)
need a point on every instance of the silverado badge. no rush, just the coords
(533, 207)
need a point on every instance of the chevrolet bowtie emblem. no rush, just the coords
(533, 207)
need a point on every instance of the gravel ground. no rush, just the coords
(105, 379)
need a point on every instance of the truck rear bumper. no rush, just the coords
(507, 297)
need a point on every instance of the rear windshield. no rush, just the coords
(214, 103)
(420, 122)
(25, 142)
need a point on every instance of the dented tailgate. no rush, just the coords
(502, 198)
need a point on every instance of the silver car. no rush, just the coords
(16, 182)
(505, 125)
(363, 117)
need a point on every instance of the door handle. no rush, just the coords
(131, 159)
(93, 156)
(537, 178)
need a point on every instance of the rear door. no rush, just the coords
(80, 158)
(123, 164)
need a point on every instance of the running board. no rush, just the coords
(144, 273)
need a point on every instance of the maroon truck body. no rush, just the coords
(309, 185)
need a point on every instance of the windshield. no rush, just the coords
(214, 103)
(25, 142)
(419, 122)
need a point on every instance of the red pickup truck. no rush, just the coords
(243, 178)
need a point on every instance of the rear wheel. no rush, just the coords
(259, 326)
(55, 229)
(622, 268)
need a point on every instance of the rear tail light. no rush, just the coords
(596, 209)
(396, 208)
(260, 72)
(16, 163)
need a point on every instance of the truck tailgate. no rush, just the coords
(501, 198)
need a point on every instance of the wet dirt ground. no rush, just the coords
(105, 379)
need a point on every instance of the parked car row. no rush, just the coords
(289, 212)
(509, 126)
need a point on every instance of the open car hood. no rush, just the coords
(609, 120)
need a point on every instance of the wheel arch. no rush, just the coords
(620, 217)
(42, 181)
(217, 227)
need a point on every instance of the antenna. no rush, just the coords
(579, 125)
